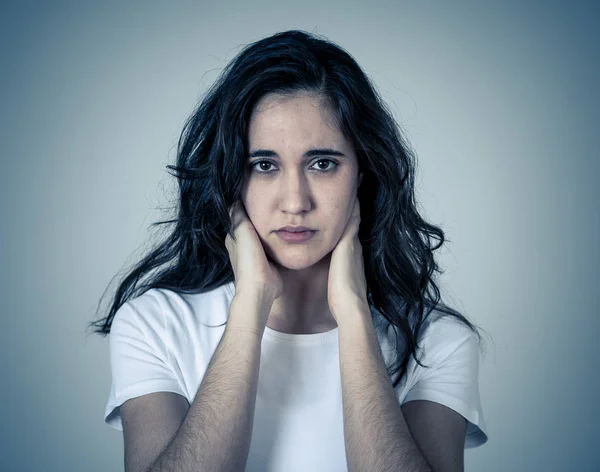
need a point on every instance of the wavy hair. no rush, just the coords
(211, 161)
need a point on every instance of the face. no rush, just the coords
(289, 186)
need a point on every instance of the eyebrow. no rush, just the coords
(310, 153)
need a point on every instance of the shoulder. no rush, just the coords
(159, 308)
(443, 335)
(144, 309)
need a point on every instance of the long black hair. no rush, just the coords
(211, 161)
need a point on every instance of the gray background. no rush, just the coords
(500, 100)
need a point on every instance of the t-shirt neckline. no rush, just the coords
(326, 337)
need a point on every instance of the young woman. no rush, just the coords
(290, 321)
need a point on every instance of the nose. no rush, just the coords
(295, 194)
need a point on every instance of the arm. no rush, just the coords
(439, 432)
(375, 431)
(215, 434)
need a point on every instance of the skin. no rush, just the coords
(294, 190)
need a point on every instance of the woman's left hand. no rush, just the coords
(346, 283)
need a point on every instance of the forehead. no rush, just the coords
(303, 119)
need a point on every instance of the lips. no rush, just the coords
(295, 229)
(297, 237)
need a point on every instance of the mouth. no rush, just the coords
(295, 229)
(295, 236)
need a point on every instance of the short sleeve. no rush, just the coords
(452, 376)
(138, 358)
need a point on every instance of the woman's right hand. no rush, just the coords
(254, 273)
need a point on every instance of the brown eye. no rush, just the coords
(320, 161)
(264, 164)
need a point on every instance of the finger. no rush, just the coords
(236, 214)
(356, 208)
(232, 208)
(356, 216)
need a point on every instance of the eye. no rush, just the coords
(264, 163)
(318, 163)
(329, 169)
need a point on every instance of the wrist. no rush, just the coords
(352, 306)
(249, 311)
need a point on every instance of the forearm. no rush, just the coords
(216, 432)
(376, 435)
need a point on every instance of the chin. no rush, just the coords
(300, 260)
(295, 263)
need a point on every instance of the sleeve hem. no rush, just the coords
(475, 435)
(112, 415)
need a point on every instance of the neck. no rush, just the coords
(303, 305)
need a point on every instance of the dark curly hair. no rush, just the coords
(211, 158)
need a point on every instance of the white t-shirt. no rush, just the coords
(157, 344)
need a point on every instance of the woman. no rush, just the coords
(323, 347)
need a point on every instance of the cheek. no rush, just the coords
(336, 221)
(256, 213)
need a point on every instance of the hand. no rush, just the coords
(254, 273)
(347, 282)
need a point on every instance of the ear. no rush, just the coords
(360, 178)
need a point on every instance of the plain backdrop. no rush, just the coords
(499, 100)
